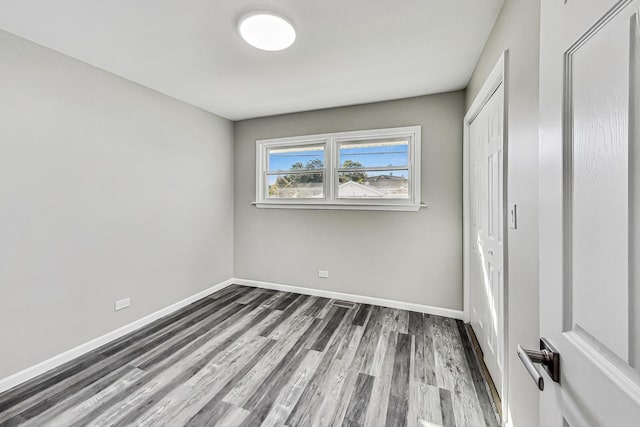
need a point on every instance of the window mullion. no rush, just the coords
(375, 169)
(295, 172)
(330, 178)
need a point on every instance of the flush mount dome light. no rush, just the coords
(267, 31)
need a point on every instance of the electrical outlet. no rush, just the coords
(123, 303)
(323, 273)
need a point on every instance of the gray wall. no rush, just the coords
(107, 190)
(404, 256)
(518, 30)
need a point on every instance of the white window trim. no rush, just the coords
(330, 200)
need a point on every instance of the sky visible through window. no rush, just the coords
(381, 155)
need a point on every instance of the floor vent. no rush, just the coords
(344, 304)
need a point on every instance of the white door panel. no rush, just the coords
(589, 214)
(486, 217)
(599, 113)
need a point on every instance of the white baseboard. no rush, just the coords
(29, 373)
(420, 308)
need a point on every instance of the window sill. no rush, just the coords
(340, 206)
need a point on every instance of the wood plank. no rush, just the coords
(417, 330)
(139, 341)
(288, 397)
(183, 402)
(189, 332)
(453, 373)
(225, 291)
(253, 295)
(429, 351)
(363, 313)
(388, 325)
(382, 384)
(369, 342)
(210, 415)
(275, 299)
(179, 363)
(359, 401)
(307, 406)
(213, 306)
(216, 396)
(480, 385)
(265, 393)
(221, 415)
(243, 390)
(342, 400)
(312, 337)
(329, 329)
(340, 375)
(446, 408)
(322, 314)
(428, 410)
(402, 321)
(98, 389)
(291, 308)
(288, 317)
(66, 411)
(261, 402)
(189, 336)
(424, 400)
(286, 301)
(61, 390)
(187, 372)
(233, 418)
(399, 393)
(319, 304)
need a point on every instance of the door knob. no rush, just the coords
(547, 356)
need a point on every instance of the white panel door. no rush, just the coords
(590, 210)
(486, 217)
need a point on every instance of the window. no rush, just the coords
(295, 172)
(375, 169)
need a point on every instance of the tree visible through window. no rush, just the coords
(358, 177)
(301, 180)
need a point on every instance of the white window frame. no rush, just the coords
(331, 159)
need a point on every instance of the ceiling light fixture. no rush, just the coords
(267, 31)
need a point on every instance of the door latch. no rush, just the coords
(547, 356)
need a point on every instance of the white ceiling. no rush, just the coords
(347, 51)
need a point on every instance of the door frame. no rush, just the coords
(496, 77)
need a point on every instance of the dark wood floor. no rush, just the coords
(251, 357)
